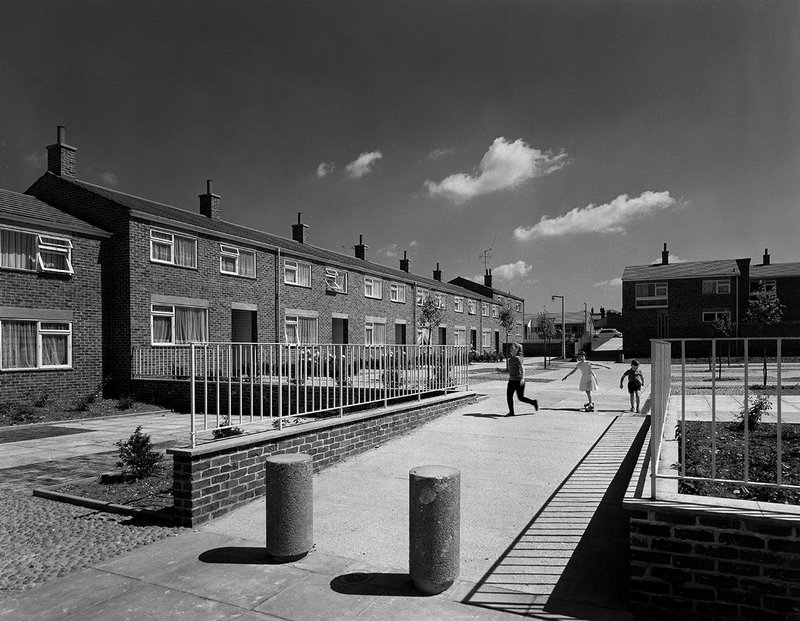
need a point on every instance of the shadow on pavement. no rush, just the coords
(571, 560)
(238, 556)
(375, 583)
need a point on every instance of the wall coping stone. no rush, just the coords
(328, 423)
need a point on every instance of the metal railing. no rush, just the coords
(267, 384)
(692, 368)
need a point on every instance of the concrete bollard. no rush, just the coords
(434, 527)
(290, 506)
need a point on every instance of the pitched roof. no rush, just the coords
(29, 210)
(689, 269)
(197, 220)
(774, 270)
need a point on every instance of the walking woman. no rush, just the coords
(516, 379)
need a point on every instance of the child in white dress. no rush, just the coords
(588, 378)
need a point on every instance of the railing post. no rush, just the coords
(192, 396)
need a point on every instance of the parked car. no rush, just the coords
(608, 332)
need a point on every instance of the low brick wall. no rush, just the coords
(213, 479)
(714, 562)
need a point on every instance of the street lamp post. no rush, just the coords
(563, 327)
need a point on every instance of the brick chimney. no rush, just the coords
(405, 261)
(765, 261)
(437, 273)
(300, 230)
(209, 203)
(487, 278)
(665, 255)
(361, 248)
(61, 156)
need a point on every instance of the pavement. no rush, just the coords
(543, 534)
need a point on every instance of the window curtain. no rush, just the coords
(54, 260)
(247, 264)
(308, 330)
(228, 264)
(19, 345)
(184, 251)
(161, 251)
(190, 325)
(54, 350)
(162, 329)
(379, 337)
(304, 274)
(17, 250)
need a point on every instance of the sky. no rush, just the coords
(554, 142)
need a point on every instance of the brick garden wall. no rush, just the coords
(713, 564)
(214, 479)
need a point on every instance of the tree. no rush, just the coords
(430, 316)
(508, 318)
(765, 309)
(724, 325)
(547, 328)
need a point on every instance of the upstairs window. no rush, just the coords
(458, 304)
(421, 295)
(651, 295)
(518, 306)
(373, 288)
(35, 345)
(21, 250)
(237, 261)
(472, 307)
(716, 287)
(494, 311)
(296, 273)
(769, 285)
(397, 292)
(335, 280)
(440, 301)
(709, 316)
(173, 249)
(485, 309)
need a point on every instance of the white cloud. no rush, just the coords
(608, 218)
(109, 178)
(512, 271)
(391, 251)
(412, 243)
(324, 169)
(614, 282)
(505, 165)
(37, 160)
(437, 153)
(363, 164)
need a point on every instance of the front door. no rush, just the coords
(339, 331)
(400, 333)
(243, 330)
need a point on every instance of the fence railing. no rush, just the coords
(268, 384)
(712, 382)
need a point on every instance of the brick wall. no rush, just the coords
(79, 293)
(214, 479)
(714, 564)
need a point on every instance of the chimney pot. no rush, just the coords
(437, 273)
(361, 249)
(665, 255)
(487, 278)
(766, 257)
(404, 262)
(300, 230)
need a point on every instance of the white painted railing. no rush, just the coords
(268, 384)
(720, 402)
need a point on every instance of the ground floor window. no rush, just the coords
(487, 339)
(35, 344)
(301, 330)
(459, 336)
(374, 332)
(178, 325)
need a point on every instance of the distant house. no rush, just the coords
(683, 300)
(51, 316)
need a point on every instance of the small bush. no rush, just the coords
(19, 413)
(42, 399)
(757, 407)
(126, 402)
(136, 455)
(226, 431)
(82, 404)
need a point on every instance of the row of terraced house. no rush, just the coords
(89, 274)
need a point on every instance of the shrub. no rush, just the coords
(226, 431)
(136, 455)
(19, 413)
(126, 402)
(42, 399)
(757, 407)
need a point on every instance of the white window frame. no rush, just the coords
(40, 332)
(55, 245)
(494, 311)
(336, 280)
(421, 295)
(458, 304)
(297, 273)
(440, 300)
(459, 335)
(485, 309)
(370, 332)
(168, 239)
(472, 307)
(660, 300)
(518, 306)
(486, 339)
(373, 288)
(709, 316)
(226, 250)
(716, 287)
(171, 313)
(293, 319)
(771, 285)
(397, 292)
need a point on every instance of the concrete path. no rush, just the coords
(542, 533)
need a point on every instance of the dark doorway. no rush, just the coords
(400, 333)
(340, 331)
(442, 335)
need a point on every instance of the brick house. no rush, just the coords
(172, 276)
(683, 300)
(500, 299)
(51, 321)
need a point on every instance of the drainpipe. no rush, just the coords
(277, 296)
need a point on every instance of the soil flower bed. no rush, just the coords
(730, 449)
